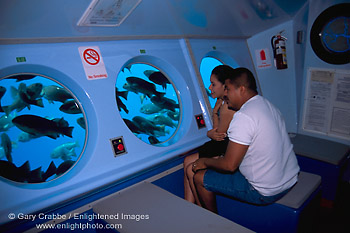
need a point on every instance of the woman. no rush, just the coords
(222, 117)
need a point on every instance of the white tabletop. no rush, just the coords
(162, 211)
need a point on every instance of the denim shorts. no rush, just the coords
(237, 186)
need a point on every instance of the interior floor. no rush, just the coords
(336, 219)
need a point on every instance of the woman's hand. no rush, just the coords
(217, 106)
(213, 134)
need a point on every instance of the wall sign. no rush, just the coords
(92, 62)
(327, 102)
(263, 58)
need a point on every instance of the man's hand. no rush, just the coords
(199, 164)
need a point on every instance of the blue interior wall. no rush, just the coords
(300, 25)
(278, 86)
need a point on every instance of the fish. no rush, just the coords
(51, 170)
(40, 126)
(23, 172)
(148, 73)
(81, 122)
(61, 122)
(138, 85)
(19, 104)
(153, 140)
(70, 107)
(22, 77)
(123, 94)
(173, 115)
(63, 167)
(164, 103)
(6, 122)
(120, 104)
(150, 108)
(29, 99)
(159, 78)
(26, 137)
(35, 176)
(34, 90)
(55, 93)
(7, 146)
(9, 171)
(148, 127)
(65, 151)
(128, 67)
(2, 93)
(132, 126)
(2, 152)
(160, 119)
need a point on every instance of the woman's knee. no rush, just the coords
(188, 171)
(198, 177)
(190, 159)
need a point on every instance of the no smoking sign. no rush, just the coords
(91, 57)
(92, 62)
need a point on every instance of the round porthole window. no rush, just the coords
(148, 103)
(330, 34)
(206, 67)
(42, 129)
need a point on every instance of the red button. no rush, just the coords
(120, 147)
(202, 122)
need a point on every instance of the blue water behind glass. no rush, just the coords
(37, 151)
(135, 101)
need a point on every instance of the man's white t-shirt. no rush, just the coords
(270, 164)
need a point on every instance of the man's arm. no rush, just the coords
(229, 163)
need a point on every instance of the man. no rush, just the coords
(259, 165)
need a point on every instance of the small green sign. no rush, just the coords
(214, 47)
(142, 50)
(21, 59)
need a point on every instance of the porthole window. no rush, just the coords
(206, 67)
(148, 103)
(42, 129)
(330, 34)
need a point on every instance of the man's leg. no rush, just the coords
(207, 198)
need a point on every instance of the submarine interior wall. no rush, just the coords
(97, 166)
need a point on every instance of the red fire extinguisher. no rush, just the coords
(278, 44)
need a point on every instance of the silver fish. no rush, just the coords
(165, 103)
(56, 93)
(148, 127)
(150, 108)
(6, 122)
(65, 151)
(160, 119)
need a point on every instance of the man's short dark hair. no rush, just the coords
(243, 77)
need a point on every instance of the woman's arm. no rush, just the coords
(216, 112)
(226, 115)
